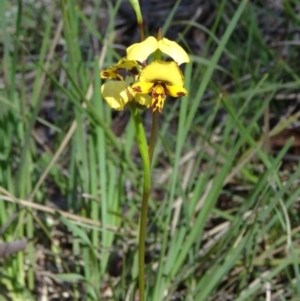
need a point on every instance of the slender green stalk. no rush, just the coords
(143, 147)
(153, 134)
(146, 158)
(136, 6)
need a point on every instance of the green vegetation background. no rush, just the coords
(224, 209)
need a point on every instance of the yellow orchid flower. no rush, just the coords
(154, 81)
(118, 92)
(159, 79)
(141, 51)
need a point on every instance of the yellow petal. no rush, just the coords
(110, 72)
(142, 87)
(131, 66)
(176, 91)
(141, 51)
(158, 97)
(114, 72)
(176, 52)
(158, 90)
(116, 94)
(158, 102)
(143, 99)
(167, 72)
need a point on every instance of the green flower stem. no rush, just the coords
(141, 31)
(143, 147)
(153, 134)
(136, 6)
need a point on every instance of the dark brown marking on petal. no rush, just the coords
(154, 105)
(104, 73)
(137, 89)
(180, 94)
(122, 73)
(134, 71)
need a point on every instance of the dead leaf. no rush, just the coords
(9, 248)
